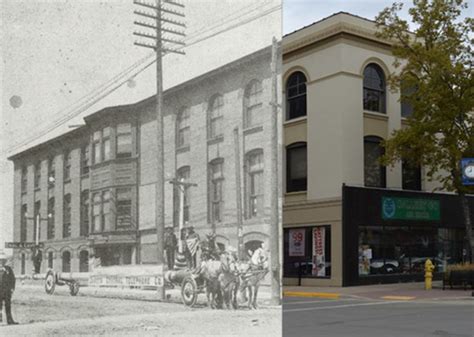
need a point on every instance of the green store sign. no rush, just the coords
(410, 209)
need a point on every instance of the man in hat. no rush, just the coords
(7, 286)
(171, 243)
(192, 245)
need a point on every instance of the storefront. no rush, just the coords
(388, 235)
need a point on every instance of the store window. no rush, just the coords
(67, 165)
(374, 88)
(83, 261)
(66, 259)
(296, 167)
(253, 104)
(124, 140)
(50, 230)
(23, 224)
(182, 128)
(37, 175)
(254, 187)
(24, 179)
(216, 105)
(374, 171)
(216, 182)
(51, 171)
(411, 176)
(67, 216)
(85, 159)
(84, 229)
(124, 207)
(296, 96)
(307, 252)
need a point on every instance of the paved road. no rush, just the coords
(367, 317)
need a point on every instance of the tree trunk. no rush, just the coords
(467, 222)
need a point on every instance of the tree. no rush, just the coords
(435, 63)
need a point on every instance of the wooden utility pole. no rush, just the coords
(238, 194)
(157, 22)
(274, 182)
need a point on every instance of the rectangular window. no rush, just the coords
(297, 167)
(84, 229)
(24, 180)
(106, 143)
(255, 184)
(97, 152)
(216, 180)
(67, 216)
(50, 231)
(124, 140)
(36, 225)
(106, 211)
(67, 165)
(97, 212)
(85, 159)
(124, 207)
(182, 137)
(51, 171)
(23, 225)
(38, 175)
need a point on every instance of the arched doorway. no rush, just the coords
(66, 257)
(84, 261)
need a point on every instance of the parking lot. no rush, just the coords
(357, 316)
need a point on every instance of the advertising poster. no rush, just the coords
(297, 242)
(319, 260)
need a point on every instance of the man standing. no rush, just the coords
(171, 243)
(7, 286)
(192, 245)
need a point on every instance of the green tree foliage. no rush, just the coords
(435, 61)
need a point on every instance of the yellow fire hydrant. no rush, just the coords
(429, 267)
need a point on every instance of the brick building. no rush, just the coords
(95, 185)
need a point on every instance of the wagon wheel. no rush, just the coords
(189, 291)
(50, 282)
(73, 288)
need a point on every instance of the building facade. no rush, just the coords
(347, 219)
(94, 187)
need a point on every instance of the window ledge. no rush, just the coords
(289, 194)
(215, 140)
(253, 129)
(183, 149)
(376, 115)
(295, 121)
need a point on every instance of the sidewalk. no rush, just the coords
(398, 291)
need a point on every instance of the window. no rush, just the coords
(36, 225)
(124, 207)
(253, 104)
(216, 182)
(84, 229)
(83, 261)
(85, 159)
(182, 128)
(23, 263)
(101, 145)
(66, 259)
(411, 177)
(38, 175)
(50, 260)
(124, 140)
(24, 180)
(215, 116)
(67, 165)
(406, 106)
(183, 175)
(254, 192)
(23, 224)
(296, 167)
(50, 229)
(51, 171)
(296, 96)
(374, 171)
(101, 211)
(67, 216)
(374, 88)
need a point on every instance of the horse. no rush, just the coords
(250, 278)
(229, 280)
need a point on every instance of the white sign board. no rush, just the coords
(297, 242)
(319, 259)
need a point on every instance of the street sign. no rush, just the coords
(410, 209)
(23, 245)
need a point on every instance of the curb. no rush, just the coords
(334, 296)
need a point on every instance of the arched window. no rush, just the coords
(182, 128)
(84, 261)
(296, 95)
(374, 171)
(374, 88)
(50, 260)
(254, 183)
(216, 184)
(296, 167)
(253, 104)
(251, 246)
(411, 176)
(215, 116)
(66, 257)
